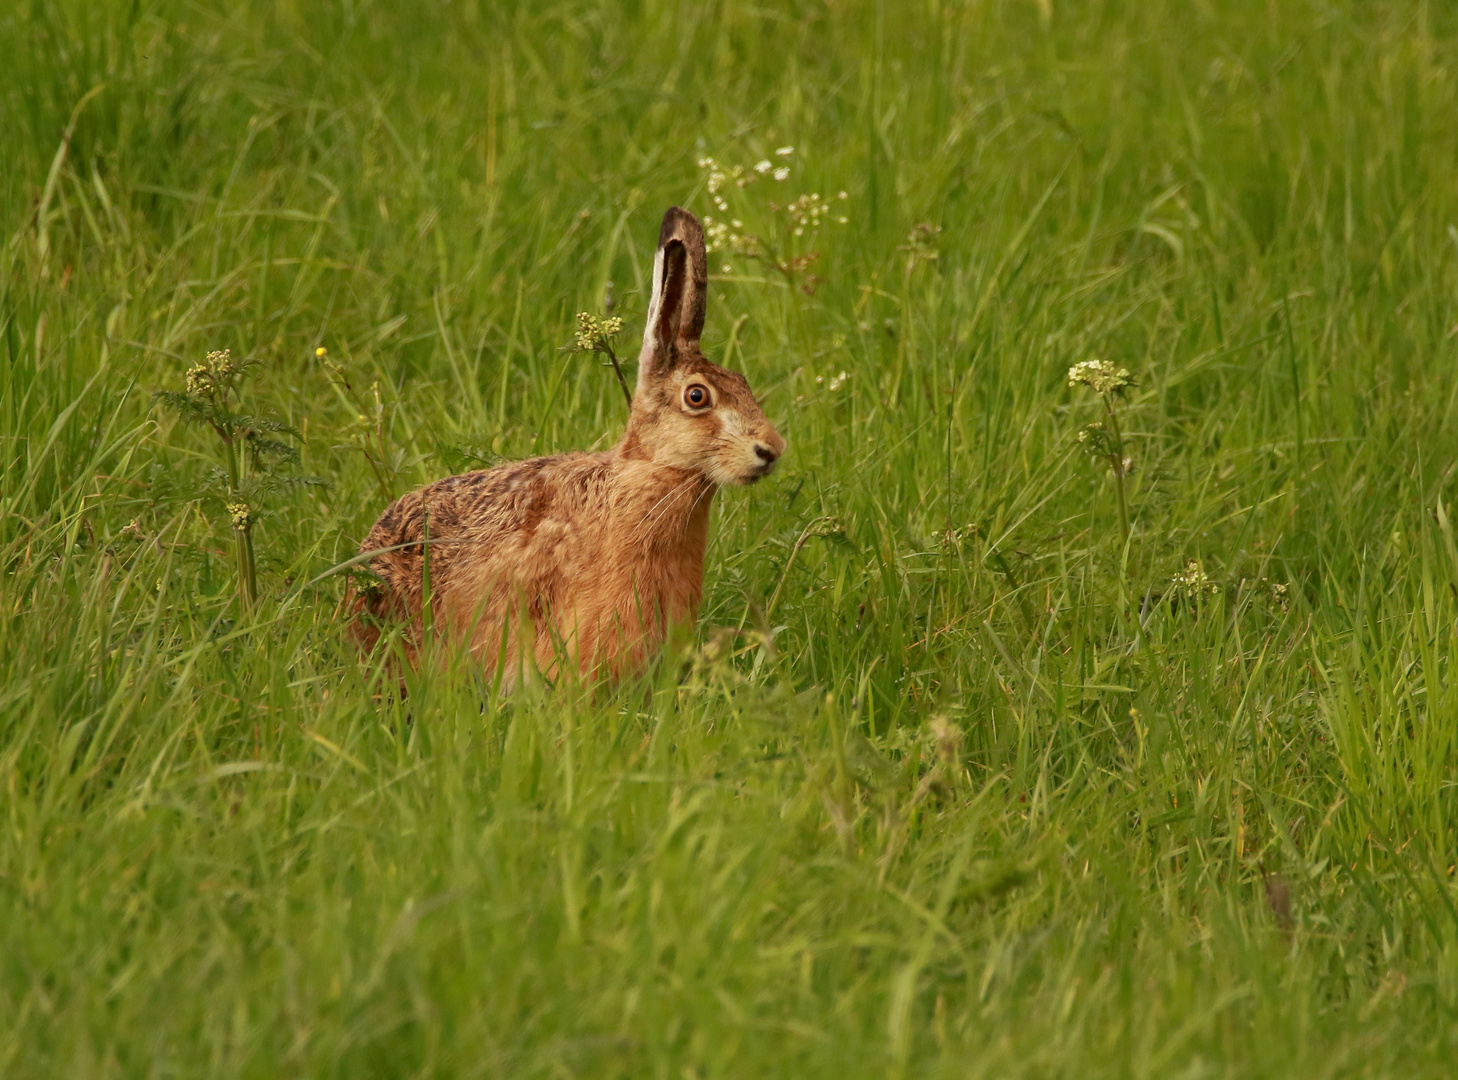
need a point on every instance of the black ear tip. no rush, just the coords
(677, 222)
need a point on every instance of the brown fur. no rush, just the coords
(591, 556)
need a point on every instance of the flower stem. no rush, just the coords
(242, 538)
(247, 569)
(1123, 504)
(1117, 461)
(618, 371)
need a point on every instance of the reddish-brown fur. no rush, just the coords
(592, 556)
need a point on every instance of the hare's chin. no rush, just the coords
(743, 479)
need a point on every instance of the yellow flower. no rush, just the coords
(594, 334)
(199, 380)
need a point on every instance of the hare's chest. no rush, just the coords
(674, 578)
(651, 558)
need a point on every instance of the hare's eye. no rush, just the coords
(696, 396)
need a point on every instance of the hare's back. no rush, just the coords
(481, 515)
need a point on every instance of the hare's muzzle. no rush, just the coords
(767, 451)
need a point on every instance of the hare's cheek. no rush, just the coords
(728, 425)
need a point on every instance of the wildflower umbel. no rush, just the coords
(806, 211)
(800, 220)
(1108, 381)
(1277, 592)
(253, 450)
(214, 376)
(1100, 376)
(1279, 595)
(595, 335)
(1192, 582)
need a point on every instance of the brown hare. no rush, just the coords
(587, 558)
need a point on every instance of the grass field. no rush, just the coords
(953, 780)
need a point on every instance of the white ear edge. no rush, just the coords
(655, 304)
(649, 353)
(664, 310)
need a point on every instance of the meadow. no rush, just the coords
(1007, 745)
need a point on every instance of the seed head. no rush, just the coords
(921, 244)
(1279, 593)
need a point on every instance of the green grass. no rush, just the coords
(1000, 805)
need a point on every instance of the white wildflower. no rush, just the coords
(1192, 582)
(1100, 375)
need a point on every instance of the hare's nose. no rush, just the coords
(765, 454)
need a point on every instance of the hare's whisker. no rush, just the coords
(653, 511)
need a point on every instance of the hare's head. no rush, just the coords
(688, 413)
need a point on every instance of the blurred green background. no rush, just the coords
(951, 781)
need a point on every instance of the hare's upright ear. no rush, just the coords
(680, 287)
(679, 224)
